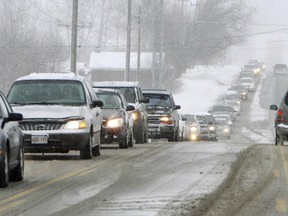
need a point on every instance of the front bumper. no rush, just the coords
(109, 135)
(158, 131)
(60, 141)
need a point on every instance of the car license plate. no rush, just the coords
(39, 139)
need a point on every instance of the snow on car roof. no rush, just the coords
(51, 76)
(115, 84)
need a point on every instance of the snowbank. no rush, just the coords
(202, 86)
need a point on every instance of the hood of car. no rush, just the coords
(57, 111)
(112, 113)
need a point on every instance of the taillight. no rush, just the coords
(279, 115)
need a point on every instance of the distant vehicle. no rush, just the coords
(117, 123)
(227, 117)
(232, 95)
(281, 120)
(208, 126)
(60, 113)
(235, 104)
(224, 109)
(133, 95)
(194, 127)
(223, 128)
(281, 69)
(11, 147)
(248, 83)
(254, 67)
(241, 90)
(163, 117)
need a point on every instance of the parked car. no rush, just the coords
(223, 128)
(194, 127)
(60, 113)
(208, 126)
(11, 147)
(281, 69)
(241, 90)
(281, 120)
(133, 95)
(163, 117)
(249, 83)
(117, 123)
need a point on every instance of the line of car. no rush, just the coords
(218, 122)
(58, 112)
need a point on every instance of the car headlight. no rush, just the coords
(211, 128)
(193, 129)
(166, 120)
(135, 115)
(114, 123)
(76, 124)
(226, 130)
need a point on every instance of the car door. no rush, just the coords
(11, 128)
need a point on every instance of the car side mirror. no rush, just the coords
(273, 107)
(177, 107)
(130, 108)
(97, 103)
(145, 100)
(12, 117)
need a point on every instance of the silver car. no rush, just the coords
(60, 113)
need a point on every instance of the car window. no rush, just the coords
(111, 101)
(159, 100)
(64, 92)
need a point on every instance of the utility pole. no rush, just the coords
(139, 46)
(157, 41)
(128, 44)
(73, 62)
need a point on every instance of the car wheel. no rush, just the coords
(124, 143)
(4, 170)
(96, 150)
(86, 153)
(18, 173)
(131, 139)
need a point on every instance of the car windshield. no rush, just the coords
(111, 101)
(221, 109)
(246, 81)
(201, 119)
(190, 118)
(127, 92)
(158, 100)
(63, 92)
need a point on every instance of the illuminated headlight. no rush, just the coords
(236, 109)
(114, 123)
(135, 115)
(77, 124)
(239, 102)
(226, 130)
(166, 120)
(244, 93)
(263, 66)
(193, 129)
(211, 128)
(193, 137)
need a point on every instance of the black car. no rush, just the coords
(11, 148)
(281, 120)
(117, 123)
(133, 95)
(163, 117)
(60, 113)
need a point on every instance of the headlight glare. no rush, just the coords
(77, 124)
(113, 123)
(166, 120)
(211, 128)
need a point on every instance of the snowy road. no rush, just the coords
(158, 178)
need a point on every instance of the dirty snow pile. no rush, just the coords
(202, 86)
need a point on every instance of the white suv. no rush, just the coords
(60, 113)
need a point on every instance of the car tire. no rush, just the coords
(96, 151)
(18, 173)
(279, 140)
(131, 139)
(123, 144)
(86, 153)
(4, 170)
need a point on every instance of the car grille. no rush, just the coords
(153, 119)
(38, 126)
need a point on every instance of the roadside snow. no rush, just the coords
(203, 85)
